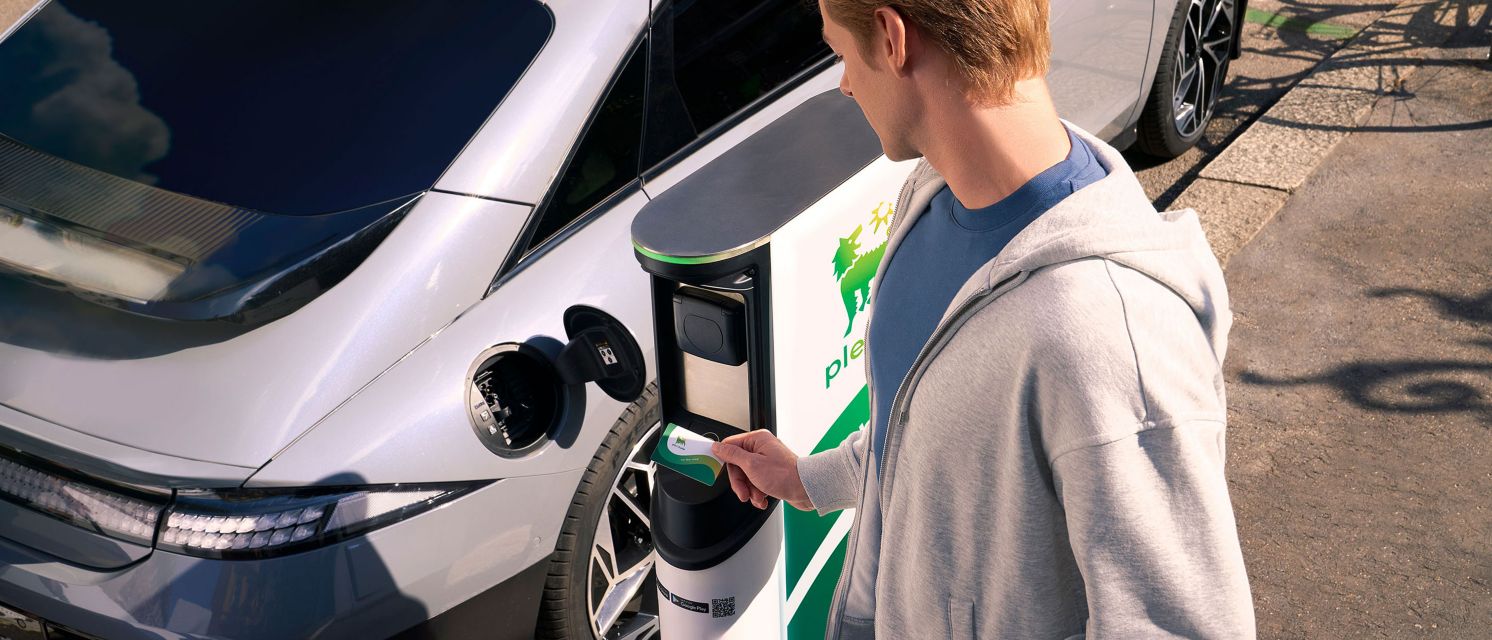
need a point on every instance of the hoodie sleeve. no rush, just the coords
(1132, 414)
(832, 478)
(1152, 530)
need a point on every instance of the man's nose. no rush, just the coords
(844, 87)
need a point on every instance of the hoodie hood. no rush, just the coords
(1111, 219)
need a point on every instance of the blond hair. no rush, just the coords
(993, 43)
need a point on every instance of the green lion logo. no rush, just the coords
(854, 270)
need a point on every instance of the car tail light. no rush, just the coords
(112, 513)
(258, 523)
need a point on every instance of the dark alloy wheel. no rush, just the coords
(602, 582)
(1190, 76)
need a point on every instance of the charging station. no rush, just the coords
(761, 264)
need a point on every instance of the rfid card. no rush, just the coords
(688, 453)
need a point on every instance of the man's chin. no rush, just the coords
(898, 155)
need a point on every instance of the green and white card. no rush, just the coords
(688, 453)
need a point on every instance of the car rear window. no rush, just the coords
(283, 106)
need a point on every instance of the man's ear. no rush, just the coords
(892, 39)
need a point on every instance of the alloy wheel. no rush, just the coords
(622, 593)
(1201, 63)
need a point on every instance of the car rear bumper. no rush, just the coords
(489, 547)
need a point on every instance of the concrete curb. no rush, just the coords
(1245, 185)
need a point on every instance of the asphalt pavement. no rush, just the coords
(1360, 377)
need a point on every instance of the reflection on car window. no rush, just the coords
(285, 106)
(606, 158)
(713, 57)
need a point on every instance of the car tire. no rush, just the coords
(620, 470)
(1189, 77)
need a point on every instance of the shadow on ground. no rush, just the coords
(1360, 378)
(1277, 58)
(1412, 386)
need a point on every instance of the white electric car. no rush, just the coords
(298, 300)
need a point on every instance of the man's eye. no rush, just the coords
(838, 58)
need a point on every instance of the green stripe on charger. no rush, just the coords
(661, 257)
(807, 530)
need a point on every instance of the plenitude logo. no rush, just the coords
(854, 268)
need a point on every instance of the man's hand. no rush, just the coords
(759, 466)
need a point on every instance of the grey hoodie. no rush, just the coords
(1054, 459)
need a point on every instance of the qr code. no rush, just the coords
(722, 607)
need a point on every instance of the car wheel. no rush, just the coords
(1189, 77)
(601, 582)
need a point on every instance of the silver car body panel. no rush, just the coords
(517, 153)
(433, 439)
(1160, 20)
(239, 401)
(96, 456)
(411, 425)
(1099, 72)
(1099, 56)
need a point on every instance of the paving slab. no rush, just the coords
(1284, 146)
(1275, 154)
(1231, 213)
(1360, 378)
(1282, 41)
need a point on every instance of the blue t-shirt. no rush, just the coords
(943, 248)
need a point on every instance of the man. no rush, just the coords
(1044, 457)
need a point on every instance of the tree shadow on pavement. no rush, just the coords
(1247, 98)
(1413, 386)
(1254, 84)
(1474, 309)
(1389, 48)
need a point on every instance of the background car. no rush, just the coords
(287, 290)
